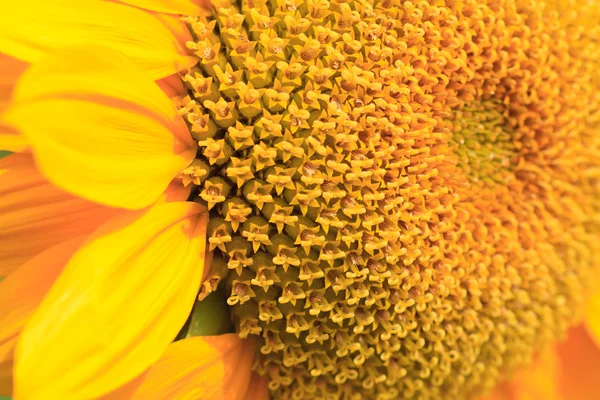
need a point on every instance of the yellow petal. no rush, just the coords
(99, 128)
(175, 192)
(198, 368)
(178, 28)
(12, 140)
(501, 392)
(30, 31)
(579, 359)
(592, 317)
(534, 382)
(35, 215)
(12, 68)
(6, 387)
(569, 371)
(21, 293)
(184, 7)
(172, 86)
(117, 305)
(258, 388)
(538, 382)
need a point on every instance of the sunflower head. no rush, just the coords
(384, 185)
(397, 199)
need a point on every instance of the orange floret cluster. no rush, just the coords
(404, 195)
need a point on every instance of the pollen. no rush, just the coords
(404, 195)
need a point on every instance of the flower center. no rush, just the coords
(483, 143)
(387, 203)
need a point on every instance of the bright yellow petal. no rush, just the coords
(117, 305)
(12, 68)
(172, 86)
(12, 140)
(502, 392)
(178, 28)
(592, 317)
(21, 293)
(35, 215)
(535, 382)
(538, 382)
(175, 192)
(579, 359)
(99, 128)
(198, 368)
(30, 31)
(567, 372)
(184, 7)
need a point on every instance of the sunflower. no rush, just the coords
(343, 199)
